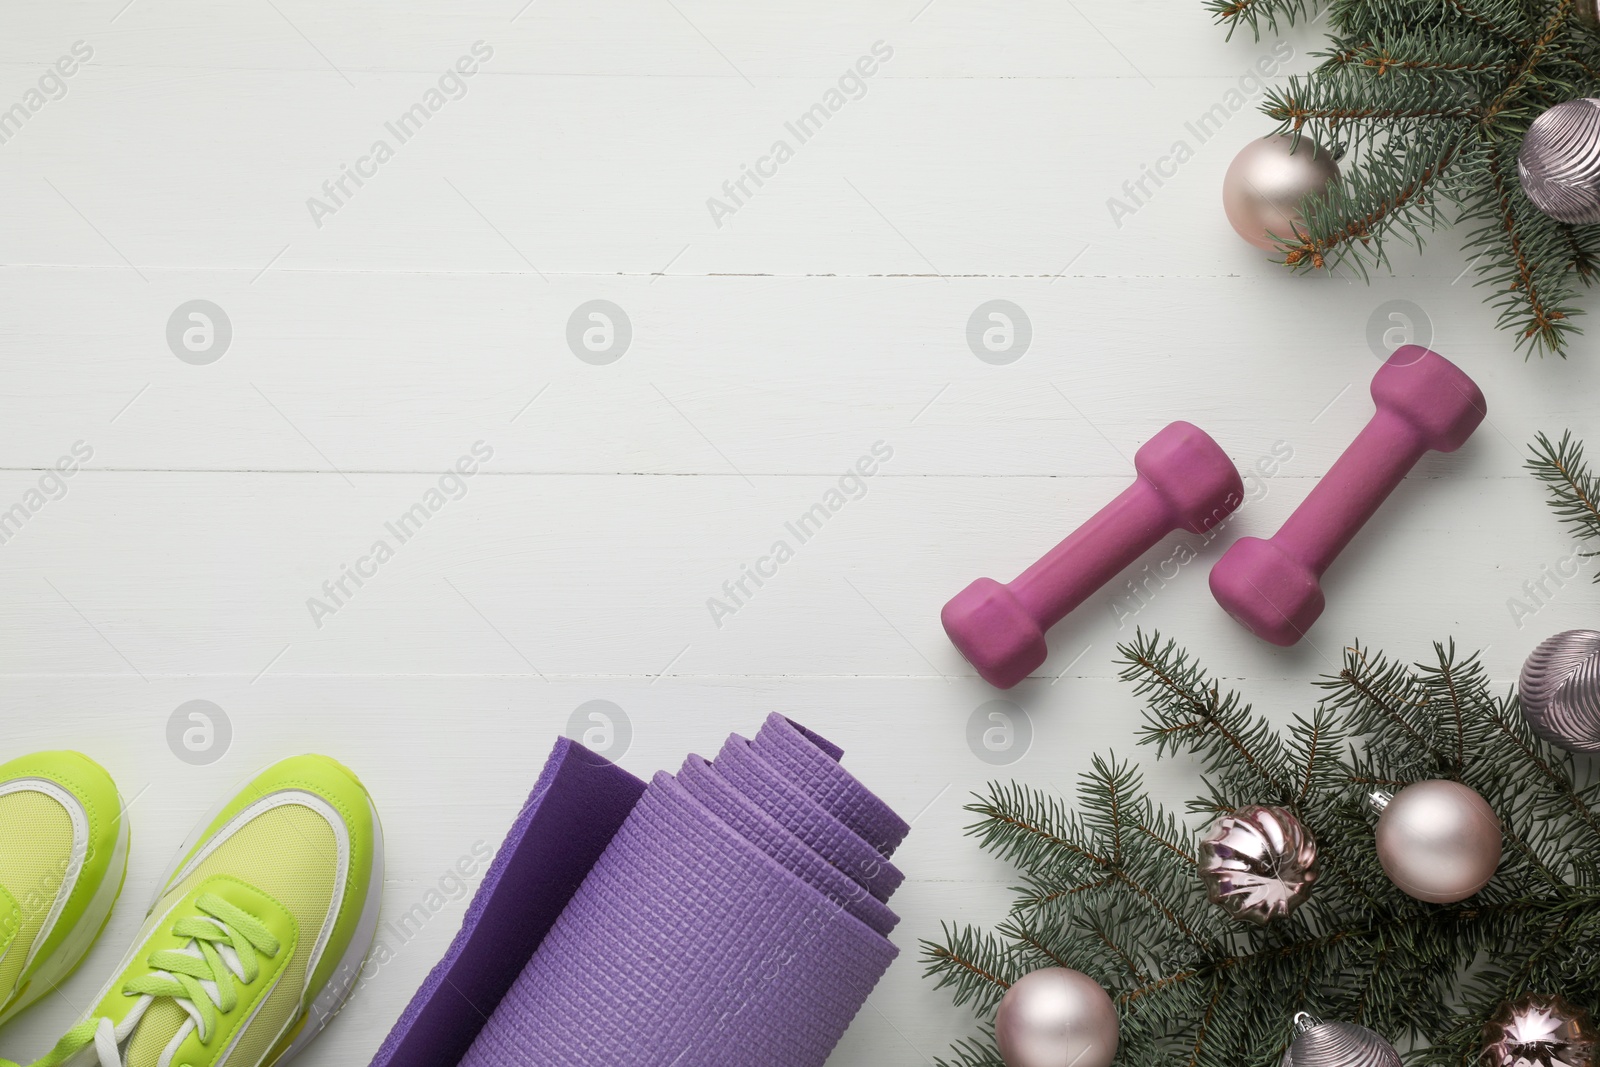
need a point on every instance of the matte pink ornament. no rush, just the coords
(1273, 586)
(1266, 182)
(1437, 840)
(1185, 481)
(1056, 1017)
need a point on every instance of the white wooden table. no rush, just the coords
(353, 349)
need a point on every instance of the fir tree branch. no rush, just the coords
(1514, 732)
(1447, 676)
(1385, 703)
(1205, 1024)
(1582, 253)
(1545, 321)
(1483, 21)
(1295, 113)
(1192, 713)
(955, 962)
(971, 1053)
(1032, 941)
(1348, 218)
(1418, 56)
(1181, 852)
(1252, 13)
(1127, 961)
(1574, 490)
(1023, 828)
(1536, 51)
(1041, 895)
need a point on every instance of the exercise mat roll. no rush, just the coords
(579, 802)
(712, 932)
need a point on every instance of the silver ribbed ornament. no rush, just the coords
(1320, 1044)
(1560, 690)
(1258, 863)
(1559, 162)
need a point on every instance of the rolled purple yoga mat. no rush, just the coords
(576, 807)
(737, 918)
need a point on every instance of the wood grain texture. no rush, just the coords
(826, 314)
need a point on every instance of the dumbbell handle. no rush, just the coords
(1093, 554)
(1357, 484)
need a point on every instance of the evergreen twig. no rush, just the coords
(1574, 489)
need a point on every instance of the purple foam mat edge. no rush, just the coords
(579, 802)
(788, 745)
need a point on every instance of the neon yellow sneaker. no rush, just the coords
(255, 938)
(63, 855)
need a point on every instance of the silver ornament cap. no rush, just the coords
(1438, 841)
(1056, 1017)
(1320, 1044)
(1259, 863)
(1559, 161)
(1560, 690)
(1266, 181)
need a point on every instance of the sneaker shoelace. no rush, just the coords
(224, 945)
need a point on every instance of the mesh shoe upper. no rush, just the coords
(63, 852)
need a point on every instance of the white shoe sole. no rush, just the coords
(347, 972)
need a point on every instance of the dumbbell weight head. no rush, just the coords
(1185, 481)
(1274, 587)
(995, 632)
(1192, 473)
(1269, 593)
(1432, 395)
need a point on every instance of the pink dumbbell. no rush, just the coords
(1425, 403)
(1185, 480)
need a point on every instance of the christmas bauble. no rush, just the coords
(1055, 1017)
(1539, 1031)
(1560, 690)
(1266, 182)
(1559, 162)
(1438, 841)
(1320, 1044)
(1259, 863)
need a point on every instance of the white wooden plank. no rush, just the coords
(362, 372)
(574, 576)
(701, 38)
(919, 176)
